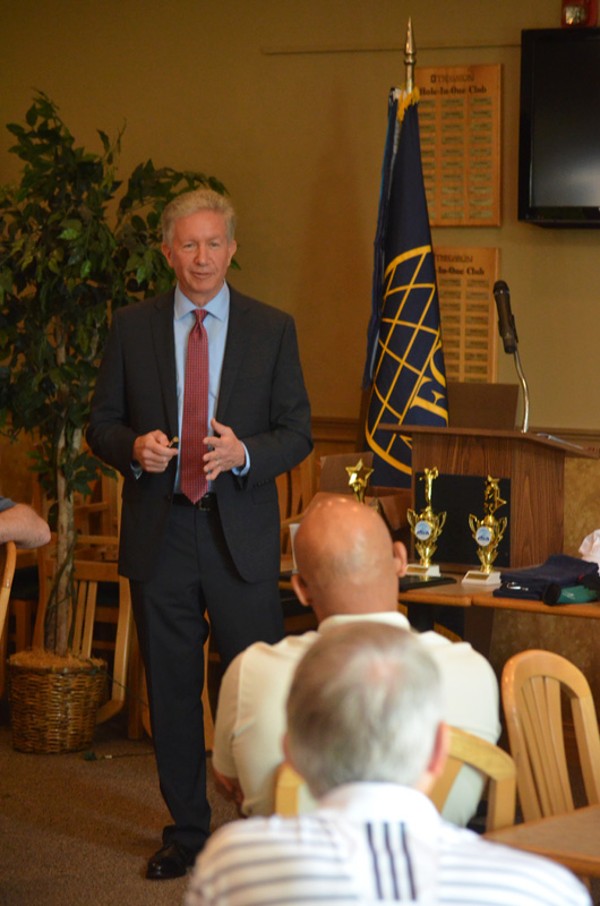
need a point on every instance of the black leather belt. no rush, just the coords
(207, 504)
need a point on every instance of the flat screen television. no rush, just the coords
(559, 137)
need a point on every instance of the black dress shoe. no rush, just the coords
(171, 861)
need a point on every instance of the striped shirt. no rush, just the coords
(371, 844)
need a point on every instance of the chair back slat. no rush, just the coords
(465, 749)
(8, 561)
(544, 742)
(534, 686)
(494, 763)
(95, 565)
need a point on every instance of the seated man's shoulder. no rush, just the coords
(289, 649)
(237, 845)
(261, 662)
(470, 686)
(304, 850)
(524, 878)
(446, 652)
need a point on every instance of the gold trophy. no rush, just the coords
(426, 527)
(487, 533)
(358, 480)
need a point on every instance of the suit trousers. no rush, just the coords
(194, 576)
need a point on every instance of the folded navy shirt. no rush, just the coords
(546, 581)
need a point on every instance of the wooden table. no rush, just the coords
(467, 594)
(482, 598)
(572, 839)
(456, 594)
(479, 604)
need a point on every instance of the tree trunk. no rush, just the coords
(59, 629)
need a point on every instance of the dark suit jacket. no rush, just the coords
(262, 398)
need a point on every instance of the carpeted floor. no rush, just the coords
(76, 832)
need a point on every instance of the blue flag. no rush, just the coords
(405, 363)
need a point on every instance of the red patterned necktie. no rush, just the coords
(193, 481)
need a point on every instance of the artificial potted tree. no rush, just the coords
(75, 243)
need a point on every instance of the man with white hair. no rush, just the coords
(365, 731)
(200, 404)
(348, 571)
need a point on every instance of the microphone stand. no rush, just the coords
(521, 374)
(510, 339)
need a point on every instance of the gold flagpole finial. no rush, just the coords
(410, 58)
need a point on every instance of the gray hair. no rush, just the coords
(364, 705)
(190, 203)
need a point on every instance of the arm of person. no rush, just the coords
(286, 440)
(109, 433)
(21, 524)
(229, 788)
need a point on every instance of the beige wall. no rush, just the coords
(285, 101)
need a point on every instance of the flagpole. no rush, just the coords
(410, 58)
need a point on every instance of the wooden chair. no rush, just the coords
(8, 559)
(497, 766)
(102, 625)
(533, 684)
(96, 520)
(296, 488)
(98, 513)
(333, 477)
(23, 601)
(465, 749)
(287, 790)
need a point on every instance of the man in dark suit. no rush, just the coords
(218, 554)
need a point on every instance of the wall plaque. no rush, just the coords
(465, 279)
(459, 119)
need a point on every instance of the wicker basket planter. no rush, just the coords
(53, 707)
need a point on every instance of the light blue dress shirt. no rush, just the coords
(216, 324)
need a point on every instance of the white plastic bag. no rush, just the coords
(590, 547)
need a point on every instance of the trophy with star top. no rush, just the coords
(426, 527)
(358, 479)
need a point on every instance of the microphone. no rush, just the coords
(508, 332)
(506, 321)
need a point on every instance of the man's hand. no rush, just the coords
(230, 788)
(153, 452)
(227, 451)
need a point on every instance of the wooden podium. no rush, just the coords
(533, 463)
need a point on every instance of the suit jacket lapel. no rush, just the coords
(234, 351)
(164, 347)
